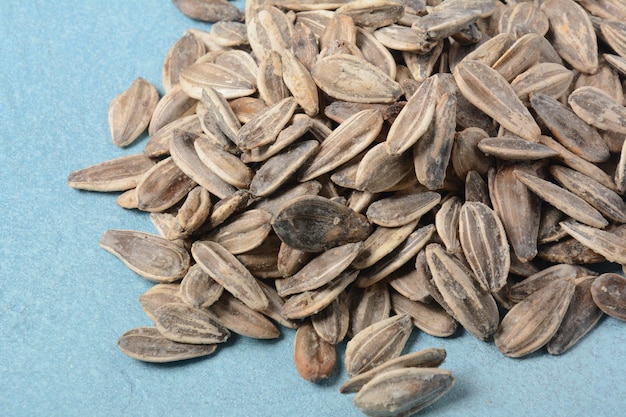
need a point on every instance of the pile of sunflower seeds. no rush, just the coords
(359, 169)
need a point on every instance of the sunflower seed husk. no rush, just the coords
(331, 324)
(119, 174)
(377, 344)
(486, 89)
(425, 358)
(466, 156)
(562, 199)
(572, 34)
(613, 32)
(368, 306)
(269, 29)
(320, 270)
(182, 54)
(609, 293)
(298, 80)
(274, 203)
(523, 18)
(473, 308)
(162, 186)
(243, 232)
(520, 56)
(152, 257)
(204, 75)
(398, 257)
(171, 106)
(515, 149)
(128, 199)
(130, 112)
(484, 245)
(430, 318)
(241, 319)
(159, 295)
(610, 245)
(546, 78)
(582, 315)
(209, 11)
(530, 324)
(305, 46)
(272, 88)
(315, 359)
(159, 143)
(225, 33)
(598, 109)
(198, 289)
(349, 78)
(407, 281)
(379, 171)
(228, 271)
(401, 209)
(403, 391)
(380, 243)
(311, 302)
(146, 344)
(181, 323)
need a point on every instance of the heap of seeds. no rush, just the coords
(358, 169)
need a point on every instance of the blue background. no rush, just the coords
(64, 301)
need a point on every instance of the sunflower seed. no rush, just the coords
(241, 319)
(146, 344)
(314, 358)
(198, 289)
(181, 323)
(130, 112)
(609, 295)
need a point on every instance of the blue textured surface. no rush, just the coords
(64, 301)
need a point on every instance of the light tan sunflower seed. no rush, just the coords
(349, 78)
(229, 34)
(608, 244)
(159, 143)
(313, 224)
(272, 88)
(223, 115)
(522, 18)
(447, 223)
(484, 245)
(375, 52)
(159, 295)
(130, 112)
(167, 225)
(582, 315)
(280, 168)
(183, 53)
(228, 271)
(241, 319)
(418, 388)
(398, 257)
(320, 270)
(402, 208)
(572, 34)
(425, 358)
(422, 65)
(150, 256)
(340, 28)
(171, 106)
(298, 80)
(315, 359)
(520, 56)
(311, 302)
(372, 13)
(403, 38)
(146, 344)
(530, 324)
(491, 50)
(209, 11)
(381, 242)
(274, 310)
(195, 210)
(269, 30)
(472, 307)
(119, 174)
(431, 154)
(185, 156)
(605, 79)
(442, 23)
(331, 324)
(598, 109)
(377, 344)
(486, 89)
(609, 294)
(514, 148)
(181, 323)
(518, 209)
(225, 208)
(198, 289)
(265, 127)
(617, 62)
(466, 156)
(414, 119)
(533, 283)
(614, 33)
(368, 306)
(305, 46)
(228, 167)
(546, 78)
(128, 199)
(204, 75)
(379, 171)
(430, 318)
(577, 163)
(562, 199)
(243, 232)
(286, 137)
(291, 260)
(605, 200)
